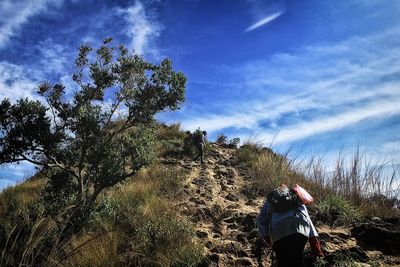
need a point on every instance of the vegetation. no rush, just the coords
(101, 198)
(135, 222)
(347, 194)
(173, 142)
(135, 225)
(132, 224)
(84, 144)
(81, 144)
(223, 140)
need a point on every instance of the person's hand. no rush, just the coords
(315, 247)
(267, 241)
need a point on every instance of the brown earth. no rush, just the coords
(225, 220)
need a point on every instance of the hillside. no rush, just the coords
(214, 199)
(177, 212)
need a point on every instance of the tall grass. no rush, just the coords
(134, 224)
(355, 183)
(139, 226)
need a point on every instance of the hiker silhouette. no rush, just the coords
(200, 143)
(285, 225)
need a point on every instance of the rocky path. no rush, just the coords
(224, 218)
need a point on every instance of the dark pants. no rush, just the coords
(289, 250)
(200, 153)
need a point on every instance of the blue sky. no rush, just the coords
(318, 76)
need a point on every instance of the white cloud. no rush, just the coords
(248, 115)
(16, 82)
(53, 57)
(264, 21)
(15, 13)
(329, 123)
(11, 174)
(143, 28)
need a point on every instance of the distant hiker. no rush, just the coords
(200, 143)
(284, 224)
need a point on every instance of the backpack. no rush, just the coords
(282, 199)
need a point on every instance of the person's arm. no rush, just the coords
(313, 238)
(263, 225)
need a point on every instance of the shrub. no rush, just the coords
(233, 143)
(88, 250)
(171, 140)
(59, 192)
(165, 241)
(221, 139)
(335, 210)
(248, 153)
(380, 206)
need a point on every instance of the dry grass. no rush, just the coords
(25, 194)
(94, 250)
(146, 228)
(355, 183)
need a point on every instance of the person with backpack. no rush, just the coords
(200, 143)
(284, 224)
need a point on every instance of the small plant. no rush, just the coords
(343, 260)
(233, 143)
(248, 153)
(221, 139)
(165, 240)
(335, 210)
(171, 140)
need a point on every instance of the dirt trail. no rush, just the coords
(225, 219)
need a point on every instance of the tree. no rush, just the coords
(81, 141)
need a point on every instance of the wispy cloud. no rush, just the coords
(13, 173)
(264, 21)
(143, 28)
(336, 122)
(54, 56)
(314, 90)
(15, 13)
(17, 81)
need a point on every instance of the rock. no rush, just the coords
(203, 214)
(209, 244)
(233, 225)
(376, 219)
(232, 197)
(230, 181)
(243, 262)
(214, 257)
(241, 238)
(358, 254)
(250, 222)
(233, 206)
(373, 237)
(216, 235)
(217, 229)
(230, 219)
(201, 234)
(232, 248)
(224, 187)
(199, 202)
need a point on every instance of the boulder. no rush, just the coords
(374, 236)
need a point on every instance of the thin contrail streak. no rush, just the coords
(264, 21)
